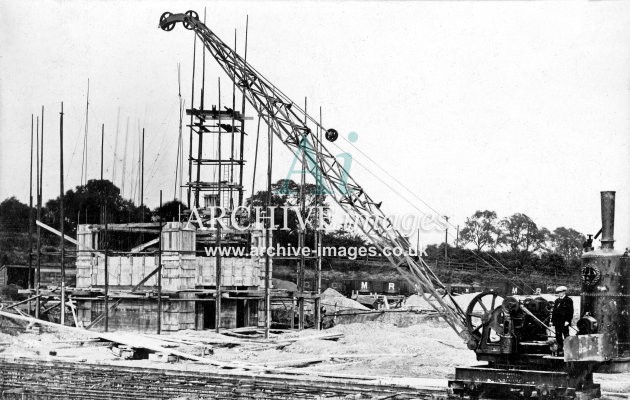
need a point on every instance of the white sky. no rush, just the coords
(513, 107)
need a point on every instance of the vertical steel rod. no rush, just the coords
(30, 221)
(218, 239)
(115, 156)
(124, 166)
(192, 105)
(142, 179)
(106, 245)
(231, 203)
(40, 168)
(159, 277)
(87, 109)
(446, 241)
(41, 175)
(102, 144)
(267, 232)
(302, 232)
(179, 139)
(318, 232)
(457, 239)
(201, 120)
(242, 143)
(84, 158)
(255, 158)
(61, 221)
(450, 277)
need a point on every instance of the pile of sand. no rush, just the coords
(334, 301)
(428, 349)
(417, 302)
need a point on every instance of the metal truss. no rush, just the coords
(290, 124)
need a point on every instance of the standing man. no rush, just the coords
(562, 316)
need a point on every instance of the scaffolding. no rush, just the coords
(156, 271)
(223, 186)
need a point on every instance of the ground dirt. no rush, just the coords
(400, 354)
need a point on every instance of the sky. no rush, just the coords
(516, 107)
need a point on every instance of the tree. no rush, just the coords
(286, 193)
(519, 232)
(291, 192)
(541, 240)
(84, 205)
(567, 242)
(259, 199)
(13, 232)
(343, 238)
(13, 216)
(170, 211)
(552, 263)
(481, 230)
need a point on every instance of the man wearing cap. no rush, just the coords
(561, 316)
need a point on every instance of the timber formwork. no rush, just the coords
(174, 272)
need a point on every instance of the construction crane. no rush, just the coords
(290, 124)
(509, 334)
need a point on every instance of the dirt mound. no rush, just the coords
(334, 301)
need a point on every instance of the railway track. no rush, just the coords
(38, 379)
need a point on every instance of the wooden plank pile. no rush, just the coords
(180, 345)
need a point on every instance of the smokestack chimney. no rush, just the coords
(608, 219)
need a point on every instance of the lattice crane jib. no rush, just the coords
(289, 123)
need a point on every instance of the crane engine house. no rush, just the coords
(510, 336)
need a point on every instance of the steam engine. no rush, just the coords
(515, 340)
(605, 298)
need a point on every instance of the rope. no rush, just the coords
(418, 209)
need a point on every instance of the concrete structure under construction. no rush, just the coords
(186, 282)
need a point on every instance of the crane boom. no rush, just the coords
(291, 125)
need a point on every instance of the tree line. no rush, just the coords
(516, 242)
(518, 232)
